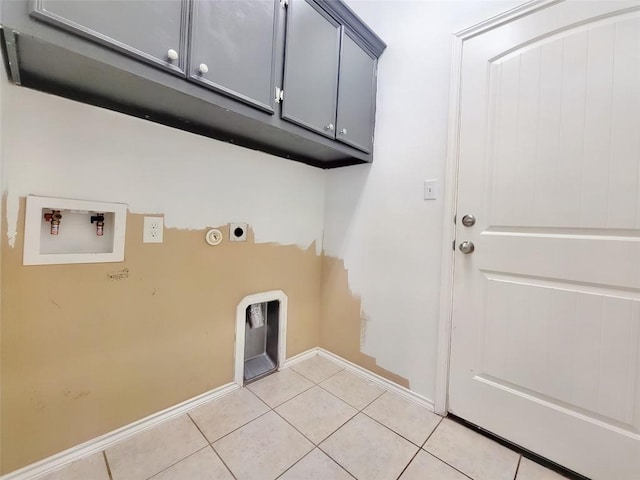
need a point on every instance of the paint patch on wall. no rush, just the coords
(341, 325)
(118, 275)
(56, 147)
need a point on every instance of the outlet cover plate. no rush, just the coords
(153, 230)
(237, 232)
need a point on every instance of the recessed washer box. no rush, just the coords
(60, 230)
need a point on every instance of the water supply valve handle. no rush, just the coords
(99, 219)
(54, 217)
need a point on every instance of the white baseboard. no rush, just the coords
(375, 378)
(300, 357)
(363, 372)
(102, 442)
(98, 444)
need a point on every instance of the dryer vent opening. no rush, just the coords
(261, 337)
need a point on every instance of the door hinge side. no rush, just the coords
(279, 95)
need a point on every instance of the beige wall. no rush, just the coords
(85, 349)
(342, 330)
(89, 348)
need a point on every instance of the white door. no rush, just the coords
(546, 316)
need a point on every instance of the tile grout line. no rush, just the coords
(393, 431)
(448, 464)
(255, 395)
(238, 428)
(352, 406)
(295, 428)
(198, 428)
(437, 457)
(367, 405)
(517, 467)
(175, 463)
(223, 462)
(293, 367)
(210, 445)
(316, 446)
(432, 432)
(106, 462)
(282, 403)
(336, 461)
(408, 463)
(296, 462)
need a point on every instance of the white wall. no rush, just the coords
(60, 148)
(375, 216)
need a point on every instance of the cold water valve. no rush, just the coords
(99, 221)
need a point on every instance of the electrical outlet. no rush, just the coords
(153, 230)
(238, 232)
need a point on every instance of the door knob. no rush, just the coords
(467, 247)
(468, 220)
(343, 131)
(329, 127)
(203, 68)
(172, 54)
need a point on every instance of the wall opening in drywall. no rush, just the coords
(261, 335)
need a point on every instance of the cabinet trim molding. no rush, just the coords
(346, 16)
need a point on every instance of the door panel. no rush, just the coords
(560, 143)
(356, 96)
(546, 317)
(147, 29)
(311, 68)
(237, 41)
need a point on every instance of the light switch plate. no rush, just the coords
(431, 189)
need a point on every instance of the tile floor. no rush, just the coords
(311, 421)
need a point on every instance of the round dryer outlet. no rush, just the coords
(213, 237)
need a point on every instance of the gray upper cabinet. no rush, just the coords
(311, 68)
(356, 95)
(154, 31)
(293, 78)
(233, 48)
(330, 74)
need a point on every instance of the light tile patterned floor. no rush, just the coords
(311, 421)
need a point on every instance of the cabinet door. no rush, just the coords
(233, 48)
(356, 96)
(311, 68)
(154, 31)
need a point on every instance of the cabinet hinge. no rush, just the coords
(284, 3)
(279, 95)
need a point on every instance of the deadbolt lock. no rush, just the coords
(468, 220)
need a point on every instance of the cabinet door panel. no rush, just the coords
(236, 40)
(147, 29)
(311, 68)
(356, 96)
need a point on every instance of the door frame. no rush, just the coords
(441, 403)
